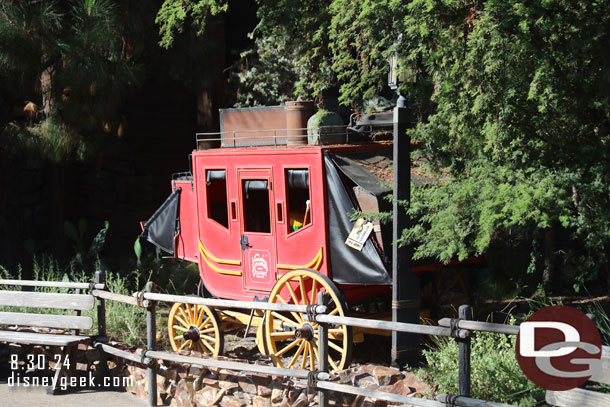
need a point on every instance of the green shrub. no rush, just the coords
(495, 373)
(124, 322)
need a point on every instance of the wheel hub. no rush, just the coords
(304, 332)
(192, 334)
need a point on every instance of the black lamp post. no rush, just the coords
(405, 285)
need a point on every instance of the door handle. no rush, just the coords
(244, 242)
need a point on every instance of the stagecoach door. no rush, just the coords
(257, 228)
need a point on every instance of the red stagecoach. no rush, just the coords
(266, 216)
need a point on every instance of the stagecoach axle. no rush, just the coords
(192, 334)
(304, 332)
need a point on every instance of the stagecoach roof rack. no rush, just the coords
(320, 136)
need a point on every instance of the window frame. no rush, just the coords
(207, 198)
(287, 200)
(244, 208)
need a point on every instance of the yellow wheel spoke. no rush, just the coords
(205, 323)
(332, 363)
(335, 347)
(297, 353)
(191, 313)
(312, 360)
(208, 338)
(302, 286)
(305, 355)
(292, 293)
(285, 319)
(200, 317)
(183, 316)
(183, 322)
(185, 344)
(182, 311)
(207, 345)
(282, 335)
(296, 316)
(314, 292)
(287, 348)
(201, 348)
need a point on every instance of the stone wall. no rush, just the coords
(184, 385)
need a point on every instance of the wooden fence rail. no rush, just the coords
(457, 328)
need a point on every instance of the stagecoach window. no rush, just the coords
(298, 201)
(256, 205)
(216, 190)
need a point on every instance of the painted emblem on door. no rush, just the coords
(259, 264)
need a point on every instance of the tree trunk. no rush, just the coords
(548, 274)
(45, 90)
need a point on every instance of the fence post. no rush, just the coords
(151, 332)
(464, 355)
(101, 310)
(322, 350)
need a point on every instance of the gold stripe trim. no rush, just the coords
(313, 264)
(215, 259)
(205, 254)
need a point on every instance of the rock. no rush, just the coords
(229, 385)
(386, 375)
(292, 395)
(341, 375)
(161, 381)
(361, 401)
(231, 402)
(301, 401)
(259, 379)
(246, 385)
(261, 402)
(171, 389)
(184, 393)
(219, 395)
(408, 386)
(205, 397)
(364, 380)
(209, 381)
(263, 391)
(197, 370)
(141, 389)
(277, 395)
(225, 374)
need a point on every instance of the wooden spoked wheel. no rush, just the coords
(292, 340)
(195, 327)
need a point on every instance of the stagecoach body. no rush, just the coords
(249, 215)
(267, 220)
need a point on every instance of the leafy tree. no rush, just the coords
(511, 99)
(265, 74)
(519, 130)
(72, 59)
